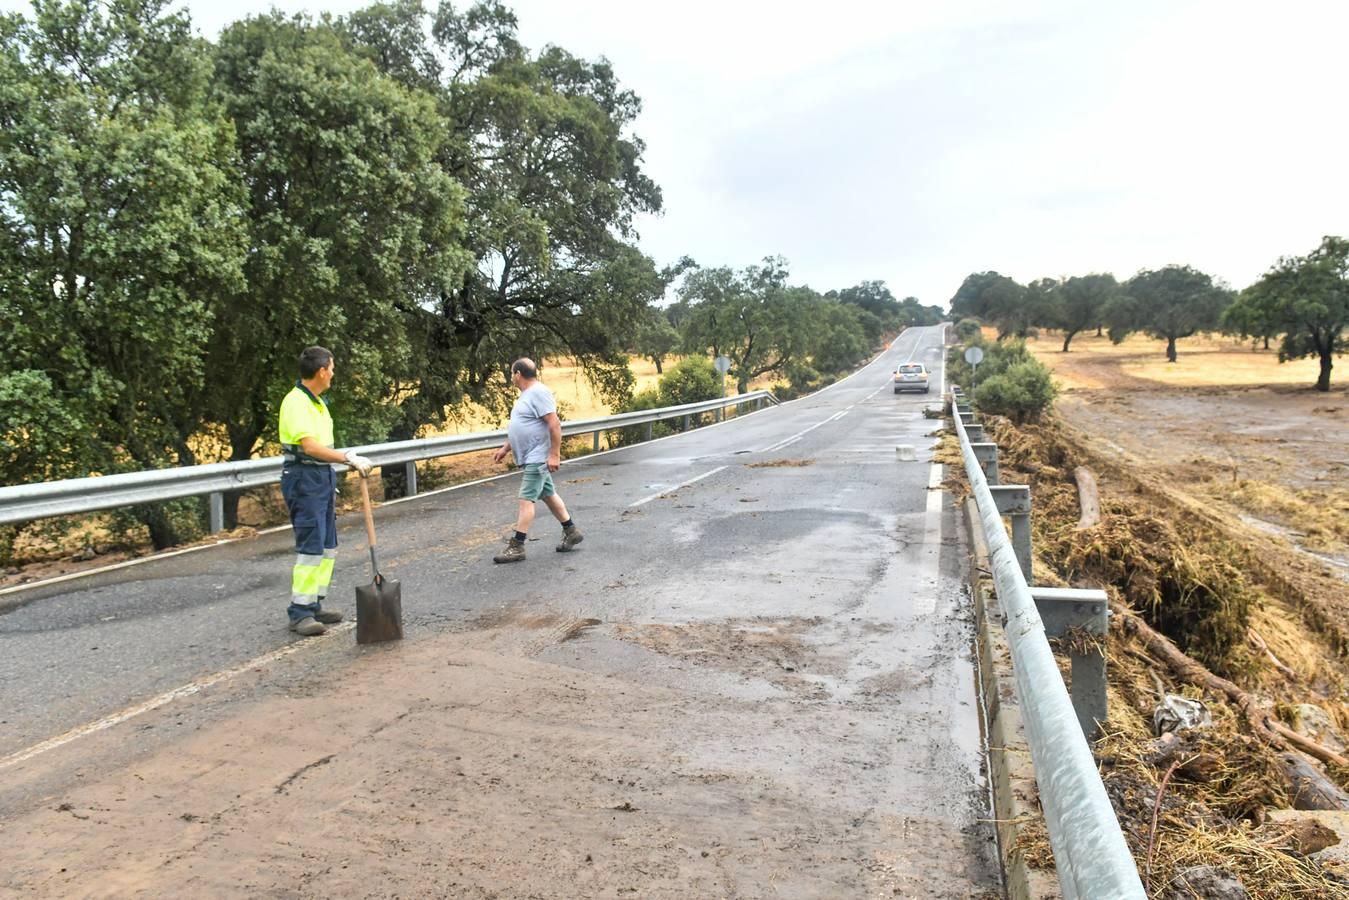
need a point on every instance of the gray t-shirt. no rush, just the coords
(528, 432)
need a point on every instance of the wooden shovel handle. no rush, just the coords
(365, 506)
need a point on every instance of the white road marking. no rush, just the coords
(802, 433)
(186, 690)
(926, 603)
(682, 484)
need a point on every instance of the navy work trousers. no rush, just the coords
(311, 494)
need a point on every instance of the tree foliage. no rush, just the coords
(543, 145)
(1078, 304)
(656, 338)
(1014, 308)
(751, 317)
(118, 232)
(1304, 298)
(352, 223)
(1168, 304)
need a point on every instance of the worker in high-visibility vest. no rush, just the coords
(309, 485)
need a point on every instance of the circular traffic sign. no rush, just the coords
(722, 365)
(974, 356)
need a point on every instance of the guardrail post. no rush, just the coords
(411, 480)
(597, 442)
(1013, 500)
(975, 432)
(650, 430)
(966, 415)
(217, 512)
(987, 454)
(688, 422)
(1081, 617)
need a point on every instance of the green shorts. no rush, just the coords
(537, 483)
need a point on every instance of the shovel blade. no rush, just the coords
(379, 612)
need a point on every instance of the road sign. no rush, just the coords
(974, 356)
(722, 365)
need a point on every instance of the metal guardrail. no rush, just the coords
(26, 502)
(1090, 853)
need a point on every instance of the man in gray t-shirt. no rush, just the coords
(534, 436)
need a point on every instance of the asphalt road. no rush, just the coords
(683, 529)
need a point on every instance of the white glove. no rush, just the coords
(359, 463)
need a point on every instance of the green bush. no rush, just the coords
(1021, 392)
(801, 379)
(968, 329)
(690, 380)
(635, 434)
(999, 356)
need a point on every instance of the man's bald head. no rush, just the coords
(525, 368)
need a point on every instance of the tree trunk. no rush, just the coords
(742, 386)
(1171, 349)
(1266, 342)
(394, 478)
(1323, 380)
(1067, 339)
(242, 442)
(656, 360)
(1099, 332)
(162, 532)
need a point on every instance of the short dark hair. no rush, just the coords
(313, 359)
(525, 368)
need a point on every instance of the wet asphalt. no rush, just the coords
(682, 529)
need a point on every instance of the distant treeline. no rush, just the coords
(413, 189)
(1303, 301)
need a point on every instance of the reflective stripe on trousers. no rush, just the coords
(310, 578)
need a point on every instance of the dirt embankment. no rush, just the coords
(1192, 543)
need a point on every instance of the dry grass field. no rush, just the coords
(1229, 424)
(1095, 363)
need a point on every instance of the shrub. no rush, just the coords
(968, 330)
(690, 380)
(635, 434)
(1021, 392)
(999, 356)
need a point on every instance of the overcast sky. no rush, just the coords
(918, 142)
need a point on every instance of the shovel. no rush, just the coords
(379, 605)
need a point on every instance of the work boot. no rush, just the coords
(570, 538)
(307, 627)
(514, 552)
(328, 616)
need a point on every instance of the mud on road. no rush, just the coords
(532, 756)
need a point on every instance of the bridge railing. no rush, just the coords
(1090, 853)
(26, 502)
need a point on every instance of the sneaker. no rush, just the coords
(514, 552)
(307, 627)
(570, 538)
(328, 616)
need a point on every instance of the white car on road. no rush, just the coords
(911, 377)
